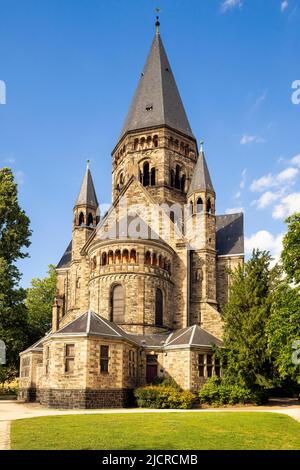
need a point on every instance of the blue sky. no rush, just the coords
(71, 67)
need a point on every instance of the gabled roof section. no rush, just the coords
(230, 234)
(144, 198)
(66, 258)
(157, 100)
(92, 324)
(192, 336)
(201, 180)
(87, 193)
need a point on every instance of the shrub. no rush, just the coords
(153, 396)
(9, 388)
(217, 392)
(166, 382)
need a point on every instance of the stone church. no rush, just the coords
(140, 288)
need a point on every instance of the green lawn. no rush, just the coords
(167, 431)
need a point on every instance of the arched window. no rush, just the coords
(118, 257)
(208, 206)
(172, 178)
(94, 263)
(177, 177)
(153, 176)
(171, 142)
(81, 218)
(147, 257)
(104, 259)
(155, 141)
(159, 307)
(191, 208)
(161, 261)
(110, 257)
(146, 175)
(149, 141)
(182, 183)
(142, 142)
(133, 256)
(90, 220)
(136, 144)
(154, 259)
(199, 205)
(121, 179)
(118, 304)
(125, 256)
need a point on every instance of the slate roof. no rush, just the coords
(186, 337)
(66, 258)
(87, 193)
(201, 180)
(157, 100)
(37, 347)
(230, 234)
(192, 336)
(127, 226)
(92, 324)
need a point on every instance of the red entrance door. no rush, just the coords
(151, 368)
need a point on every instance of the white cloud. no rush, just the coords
(262, 183)
(230, 4)
(243, 180)
(249, 139)
(260, 100)
(234, 210)
(265, 241)
(266, 199)
(284, 5)
(286, 176)
(296, 160)
(288, 205)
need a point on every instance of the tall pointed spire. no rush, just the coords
(157, 100)
(201, 180)
(87, 194)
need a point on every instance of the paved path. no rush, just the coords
(12, 410)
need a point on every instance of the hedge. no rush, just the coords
(153, 396)
(217, 392)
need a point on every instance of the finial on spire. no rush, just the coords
(201, 145)
(88, 164)
(157, 24)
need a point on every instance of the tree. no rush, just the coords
(290, 256)
(283, 327)
(14, 237)
(39, 300)
(283, 333)
(245, 318)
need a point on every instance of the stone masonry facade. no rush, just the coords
(140, 289)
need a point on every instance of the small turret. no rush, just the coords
(85, 214)
(201, 194)
(86, 205)
(202, 235)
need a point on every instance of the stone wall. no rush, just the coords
(163, 149)
(85, 398)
